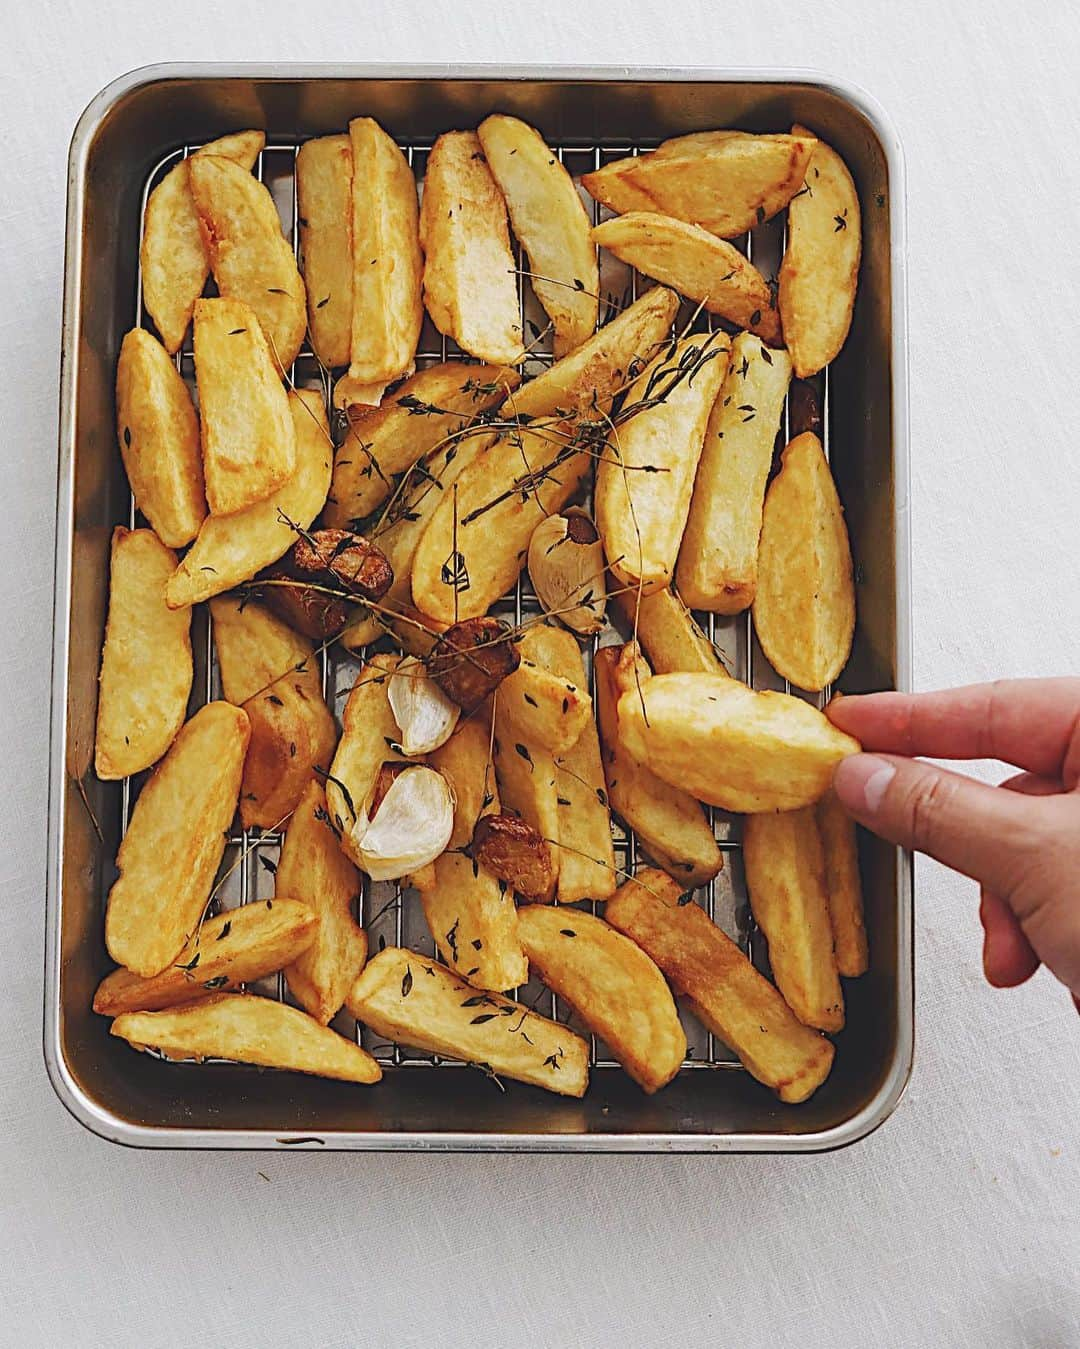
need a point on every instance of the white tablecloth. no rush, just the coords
(957, 1223)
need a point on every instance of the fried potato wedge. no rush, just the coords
(324, 194)
(255, 648)
(727, 994)
(175, 263)
(236, 947)
(539, 704)
(313, 868)
(843, 886)
(612, 984)
(175, 840)
(471, 915)
(695, 263)
(667, 631)
(469, 272)
(726, 182)
(292, 734)
(422, 415)
(819, 274)
(729, 745)
(551, 224)
(233, 548)
(158, 431)
(248, 441)
(465, 762)
(718, 561)
(785, 875)
(249, 256)
(646, 473)
(246, 1029)
(525, 772)
(669, 823)
(415, 1001)
(804, 608)
(146, 665)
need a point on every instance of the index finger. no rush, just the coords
(1032, 723)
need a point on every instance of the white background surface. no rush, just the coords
(959, 1222)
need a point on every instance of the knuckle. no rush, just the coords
(927, 807)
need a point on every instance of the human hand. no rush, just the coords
(1019, 840)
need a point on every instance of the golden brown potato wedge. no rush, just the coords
(324, 191)
(465, 762)
(246, 1029)
(719, 557)
(785, 875)
(313, 868)
(820, 271)
(729, 745)
(667, 631)
(146, 666)
(551, 225)
(416, 1001)
(469, 275)
(612, 984)
(843, 886)
(804, 609)
(249, 256)
(670, 825)
(292, 734)
(537, 703)
(175, 840)
(525, 772)
(255, 648)
(232, 548)
(646, 472)
(158, 431)
(726, 182)
(236, 947)
(695, 263)
(175, 263)
(729, 996)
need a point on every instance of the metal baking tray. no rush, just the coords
(127, 138)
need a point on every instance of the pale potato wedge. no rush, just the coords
(804, 608)
(246, 1029)
(146, 665)
(819, 274)
(729, 745)
(537, 703)
(695, 263)
(234, 948)
(324, 192)
(175, 840)
(387, 310)
(255, 648)
(232, 548)
(158, 431)
(422, 416)
(175, 263)
(727, 994)
(550, 223)
(248, 441)
(726, 182)
(292, 735)
(465, 762)
(670, 825)
(718, 561)
(313, 868)
(469, 275)
(668, 633)
(415, 1001)
(785, 875)
(843, 886)
(612, 984)
(525, 772)
(249, 256)
(471, 915)
(646, 472)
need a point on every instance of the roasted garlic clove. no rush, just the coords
(410, 826)
(426, 717)
(566, 564)
(514, 852)
(471, 659)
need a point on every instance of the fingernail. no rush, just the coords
(862, 780)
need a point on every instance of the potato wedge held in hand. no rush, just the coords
(236, 947)
(415, 1001)
(843, 886)
(820, 271)
(612, 984)
(146, 665)
(697, 264)
(247, 1029)
(550, 223)
(666, 629)
(469, 286)
(727, 994)
(729, 745)
(158, 431)
(804, 609)
(174, 842)
(324, 188)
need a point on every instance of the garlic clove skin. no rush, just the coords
(412, 825)
(425, 716)
(566, 565)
